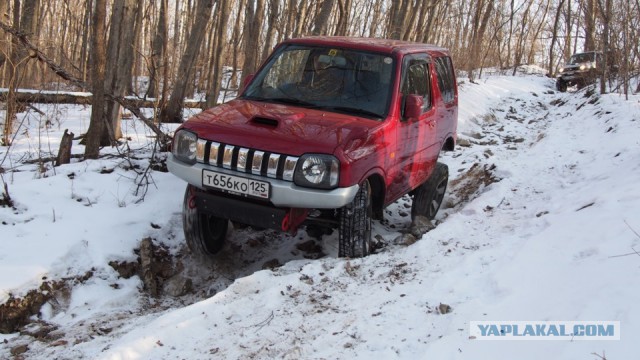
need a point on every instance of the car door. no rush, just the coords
(447, 99)
(416, 137)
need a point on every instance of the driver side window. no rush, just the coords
(416, 79)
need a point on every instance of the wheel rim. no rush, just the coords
(214, 231)
(437, 198)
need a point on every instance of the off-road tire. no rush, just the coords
(428, 196)
(354, 240)
(561, 85)
(205, 234)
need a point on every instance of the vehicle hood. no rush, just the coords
(279, 128)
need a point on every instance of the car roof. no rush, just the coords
(369, 44)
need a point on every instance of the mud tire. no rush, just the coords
(354, 239)
(428, 196)
(561, 85)
(205, 234)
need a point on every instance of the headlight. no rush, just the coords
(318, 171)
(184, 146)
(583, 67)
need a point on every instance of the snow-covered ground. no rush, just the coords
(541, 222)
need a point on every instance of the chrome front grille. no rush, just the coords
(250, 161)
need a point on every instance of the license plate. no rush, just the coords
(235, 184)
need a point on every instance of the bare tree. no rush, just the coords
(119, 51)
(241, 33)
(158, 50)
(322, 20)
(223, 20)
(344, 10)
(4, 11)
(605, 12)
(98, 63)
(589, 25)
(397, 13)
(481, 17)
(554, 39)
(254, 16)
(24, 18)
(173, 110)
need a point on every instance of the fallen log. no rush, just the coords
(28, 97)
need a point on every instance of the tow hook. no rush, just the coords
(191, 201)
(293, 219)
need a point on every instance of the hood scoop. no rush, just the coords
(264, 121)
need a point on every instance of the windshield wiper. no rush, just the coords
(254, 98)
(351, 110)
(292, 101)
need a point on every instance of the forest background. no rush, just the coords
(161, 52)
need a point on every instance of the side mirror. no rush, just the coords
(413, 106)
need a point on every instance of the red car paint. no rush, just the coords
(396, 154)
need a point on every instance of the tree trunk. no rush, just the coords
(23, 19)
(28, 25)
(397, 14)
(373, 26)
(98, 62)
(606, 19)
(271, 27)
(119, 51)
(4, 9)
(223, 21)
(64, 152)
(157, 51)
(554, 38)
(253, 24)
(321, 21)
(480, 21)
(173, 110)
(344, 6)
(410, 28)
(589, 25)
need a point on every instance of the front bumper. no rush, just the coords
(283, 193)
(577, 75)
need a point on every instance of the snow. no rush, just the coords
(545, 242)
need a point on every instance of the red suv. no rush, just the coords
(329, 132)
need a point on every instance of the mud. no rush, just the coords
(469, 184)
(16, 312)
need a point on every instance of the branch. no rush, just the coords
(632, 230)
(61, 72)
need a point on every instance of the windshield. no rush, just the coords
(340, 80)
(581, 58)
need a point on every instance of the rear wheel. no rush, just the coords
(428, 196)
(205, 234)
(355, 225)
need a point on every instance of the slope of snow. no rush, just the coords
(541, 241)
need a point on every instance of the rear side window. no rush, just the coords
(446, 78)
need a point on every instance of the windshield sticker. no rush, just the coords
(387, 60)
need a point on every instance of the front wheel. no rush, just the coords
(428, 196)
(355, 225)
(561, 85)
(205, 234)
